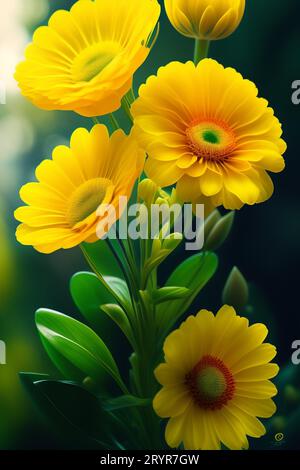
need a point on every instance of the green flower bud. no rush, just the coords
(172, 241)
(220, 231)
(210, 222)
(89, 384)
(147, 191)
(174, 198)
(160, 201)
(236, 292)
(156, 247)
(166, 198)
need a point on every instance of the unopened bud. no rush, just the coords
(163, 197)
(147, 191)
(89, 384)
(172, 241)
(160, 201)
(219, 233)
(211, 221)
(236, 291)
(156, 247)
(173, 199)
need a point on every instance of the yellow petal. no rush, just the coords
(171, 401)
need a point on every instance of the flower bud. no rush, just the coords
(205, 19)
(236, 292)
(210, 222)
(147, 191)
(219, 233)
(156, 247)
(166, 198)
(89, 384)
(160, 201)
(172, 241)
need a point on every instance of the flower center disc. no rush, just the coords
(211, 383)
(211, 140)
(87, 198)
(93, 60)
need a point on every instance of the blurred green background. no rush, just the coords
(264, 243)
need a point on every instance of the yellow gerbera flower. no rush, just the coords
(204, 127)
(93, 172)
(205, 19)
(84, 60)
(216, 382)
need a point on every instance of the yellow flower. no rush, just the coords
(216, 382)
(92, 173)
(205, 19)
(204, 127)
(84, 60)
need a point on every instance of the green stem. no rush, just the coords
(95, 120)
(101, 278)
(201, 50)
(114, 122)
(131, 96)
(127, 275)
(126, 108)
(130, 260)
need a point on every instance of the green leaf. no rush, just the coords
(88, 294)
(27, 380)
(126, 401)
(103, 259)
(120, 287)
(194, 273)
(78, 344)
(166, 294)
(117, 315)
(67, 368)
(74, 409)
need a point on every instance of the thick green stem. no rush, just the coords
(201, 50)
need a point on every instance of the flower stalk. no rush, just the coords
(201, 50)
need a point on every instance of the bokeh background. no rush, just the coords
(264, 243)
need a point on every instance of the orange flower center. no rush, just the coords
(211, 140)
(211, 383)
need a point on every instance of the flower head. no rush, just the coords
(216, 382)
(93, 173)
(205, 128)
(84, 60)
(205, 19)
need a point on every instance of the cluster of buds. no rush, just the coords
(149, 193)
